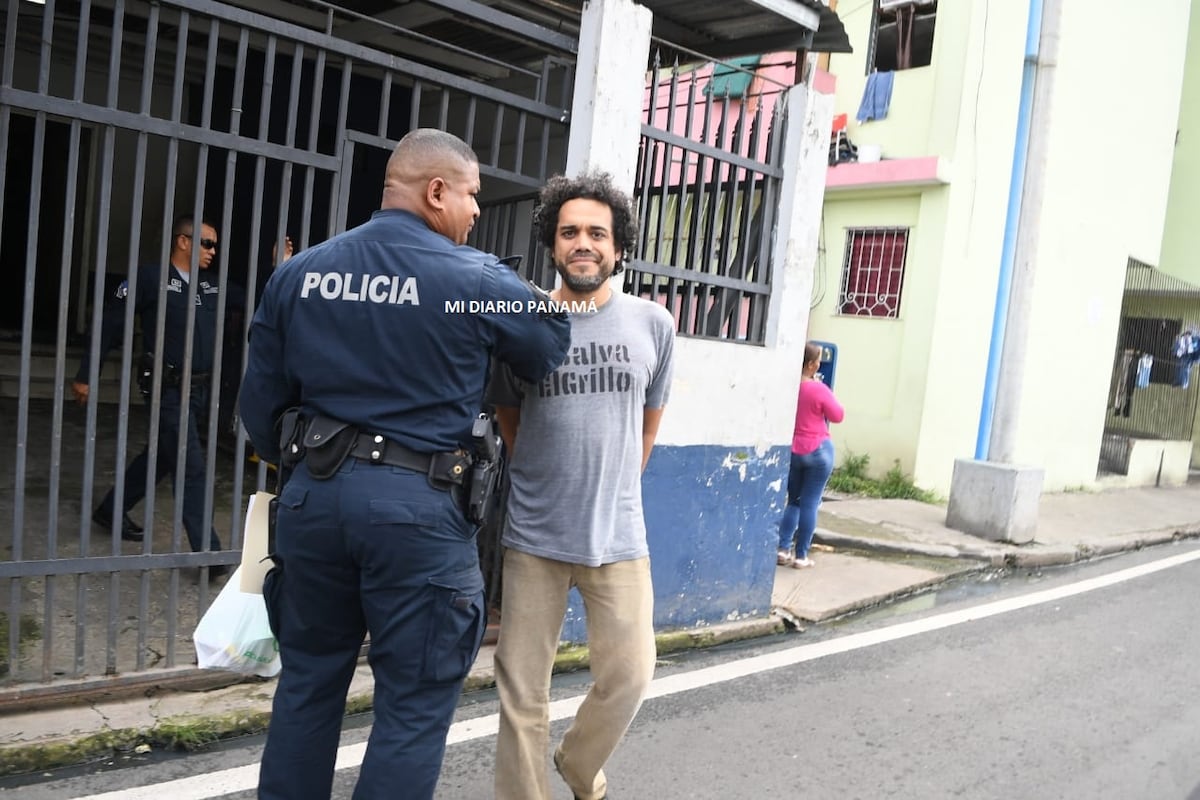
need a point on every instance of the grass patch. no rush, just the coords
(178, 733)
(28, 630)
(853, 477)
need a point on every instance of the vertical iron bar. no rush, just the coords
(159, 336)
(519, 144)
(340, 143)
(214, 381)
(469, 133)
(444, 108)
(414, 110)
(105, 198)
(385, 104)
(496, 131)
(664, 193)
(60, 338)
(33, 231)
(231, 159)
(314, 122)
(139, 177)
(698, 240)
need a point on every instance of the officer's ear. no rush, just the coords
(435, 192)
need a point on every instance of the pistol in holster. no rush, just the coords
(485, 470)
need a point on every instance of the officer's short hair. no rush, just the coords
(185, 225)
(425, 145)
(596, 186)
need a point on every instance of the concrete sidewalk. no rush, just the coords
(872, 551)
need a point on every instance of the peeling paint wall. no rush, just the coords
(712, 513)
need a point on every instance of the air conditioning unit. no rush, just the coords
(887, 5)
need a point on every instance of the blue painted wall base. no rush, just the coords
(712, 516)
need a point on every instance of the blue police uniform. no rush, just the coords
(388, 327)
(204, 335)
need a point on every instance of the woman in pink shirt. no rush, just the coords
(812, 462)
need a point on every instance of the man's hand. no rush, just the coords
(288, 250)
(80, 392)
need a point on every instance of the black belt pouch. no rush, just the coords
(327, 443)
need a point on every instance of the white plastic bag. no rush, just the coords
(234, 634)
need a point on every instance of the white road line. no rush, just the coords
(240, 779)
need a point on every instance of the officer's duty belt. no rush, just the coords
(449, 467)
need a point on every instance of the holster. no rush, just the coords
(327, 444)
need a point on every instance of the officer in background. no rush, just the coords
(171, 363)
(366, 333)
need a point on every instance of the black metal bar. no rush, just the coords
(710, 280)
(714, 152)
(385, 103)
(61, 107)
(98, 564)
(12, 22)
(485, 170)
(497, 129)
(444, 108)
(519, 144)
(235, 123)
(469, 133)
(414, 110)
(492, 18)
(341, 187)
(272, 26)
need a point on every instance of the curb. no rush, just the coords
(834, 539)
(1001, 555)
(193, 731)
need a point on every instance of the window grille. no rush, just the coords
(901, 35)
(873, 272)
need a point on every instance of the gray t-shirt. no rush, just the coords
(576, 488)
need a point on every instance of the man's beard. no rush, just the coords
(583, 284)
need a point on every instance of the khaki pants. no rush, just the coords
(619, 602)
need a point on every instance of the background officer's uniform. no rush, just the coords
(204, 334)
(358, 329)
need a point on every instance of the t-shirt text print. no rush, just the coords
(592, 369)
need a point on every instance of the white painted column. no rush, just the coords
(610, 85)
(801, 195)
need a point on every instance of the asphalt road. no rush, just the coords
(1072, 683)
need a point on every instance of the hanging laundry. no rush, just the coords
(1187, 353)
(877, 96)
(1144, 365)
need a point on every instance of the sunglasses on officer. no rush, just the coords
(207, 244)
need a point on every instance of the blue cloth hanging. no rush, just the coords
(877, 96)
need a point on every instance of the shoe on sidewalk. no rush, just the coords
(784, 558)
(802, 563)
(130, 530)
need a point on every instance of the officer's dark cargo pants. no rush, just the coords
(373, 549)
(195, 474)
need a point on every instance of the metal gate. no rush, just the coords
(116, 118)
(708, 184)
(1154, 391)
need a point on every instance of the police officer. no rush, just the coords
(175, 330)
(370, 333)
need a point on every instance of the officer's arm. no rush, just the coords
(266, 390)
(509, 419)
(531, 344)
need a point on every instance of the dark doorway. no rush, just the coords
(51, 219)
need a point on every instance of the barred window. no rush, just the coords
(873, 272)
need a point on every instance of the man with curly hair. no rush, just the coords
(578, 441)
